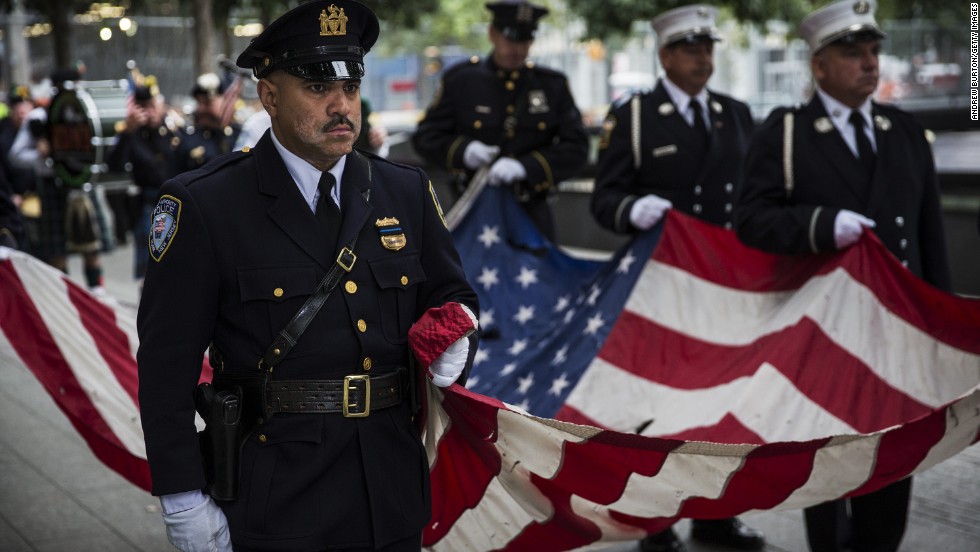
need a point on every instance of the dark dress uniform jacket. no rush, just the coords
(247, 253)
(198, 145)
(902, 196)
(472, 103)
(672, 164)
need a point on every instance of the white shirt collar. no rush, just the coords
(307, 176)
(680, 98)
(840, 113)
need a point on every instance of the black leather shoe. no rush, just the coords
(730, 532)
(664, 541)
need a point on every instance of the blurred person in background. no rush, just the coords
(68, 221)
(509, 114)
(209, 130)
(147, 150)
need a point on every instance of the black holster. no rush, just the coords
(232, 408)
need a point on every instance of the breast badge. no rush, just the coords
(163, 226)
(537, 102)
(390, 230)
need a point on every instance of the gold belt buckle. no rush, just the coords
(350, 384)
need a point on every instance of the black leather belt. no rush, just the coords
(353, 396)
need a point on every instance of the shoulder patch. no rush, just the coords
(163, 226)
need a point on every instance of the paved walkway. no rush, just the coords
(56, 496)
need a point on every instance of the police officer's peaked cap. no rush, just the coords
(516, 19)
(687, 24)
(847, 21)
(317, 40)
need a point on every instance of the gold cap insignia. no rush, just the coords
(861, 7)
(392, 236)
(666, 108)
(334, 24)
(883, 123)
(823, 125)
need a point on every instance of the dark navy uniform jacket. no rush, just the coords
(149, 154)
(902, 196)
(198, 145)
(472, 103)
(671, 164)
(246, 253)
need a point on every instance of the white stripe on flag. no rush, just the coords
(49, 292)
(841, 306)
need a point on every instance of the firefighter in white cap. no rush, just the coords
(679, 145)
(819, 176)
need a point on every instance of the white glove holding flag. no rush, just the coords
(506, 170)
(478, 154)
(848, 226)
(202, 528)
(648, 210)
(447, 368)
(441, 340)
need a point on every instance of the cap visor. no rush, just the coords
(328, 70)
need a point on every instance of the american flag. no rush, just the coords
(694, 377)
(688, 376)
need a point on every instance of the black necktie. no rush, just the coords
(865, 153)
(327, 213)
(700, 128)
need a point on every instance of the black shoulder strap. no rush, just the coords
(294, 328)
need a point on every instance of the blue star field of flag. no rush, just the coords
(543, 314)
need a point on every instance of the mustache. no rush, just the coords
(337, 121)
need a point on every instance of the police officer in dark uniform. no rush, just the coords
(206, 135)
(680, 145)
(334, 459)
(506, 112)
(817, 177)
(688, 149)
(147, 150)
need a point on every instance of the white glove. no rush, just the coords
(449, 365)
(478, 154)
(848, 226)
(506, 170)
(202, 528)
(648, 210)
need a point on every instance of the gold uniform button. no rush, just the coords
(361, 326)
(477, 124)
(350, 287)
(404, 280)
(277, 292)
(263, 438)
(509, 85)
(542, 125)
(366, 363)
(510, 109)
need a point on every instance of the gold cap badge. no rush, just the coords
(334, 24)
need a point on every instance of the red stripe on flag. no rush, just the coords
(32, 341)
(816, 365)
(113, 344)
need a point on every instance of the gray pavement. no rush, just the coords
(56, 496)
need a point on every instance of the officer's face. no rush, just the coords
(689, 65)
(316, 120)
(847, 71)
(508, 54)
